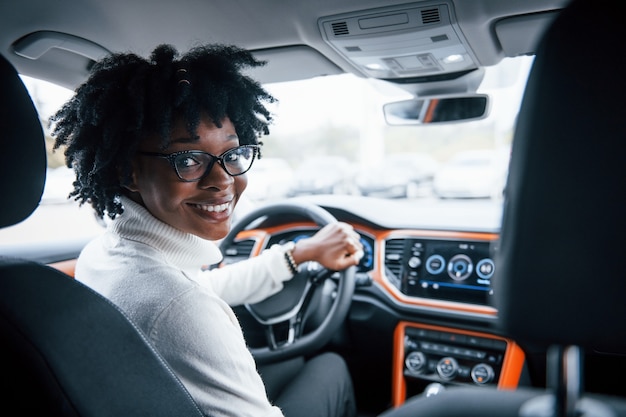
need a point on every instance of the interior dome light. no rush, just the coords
(451, 59)
(374, 66)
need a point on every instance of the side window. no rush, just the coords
(57, 217)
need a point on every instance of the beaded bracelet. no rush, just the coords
(291, 263)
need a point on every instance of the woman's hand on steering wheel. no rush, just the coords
(335, 246)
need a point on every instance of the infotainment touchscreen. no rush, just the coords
(447, 270)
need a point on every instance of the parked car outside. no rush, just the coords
(324, 175)
(271, 179)
(473, 174)
(404, 175)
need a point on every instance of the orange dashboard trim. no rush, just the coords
(67, 267)
(509, 375)
(377, 275)
(260, 235)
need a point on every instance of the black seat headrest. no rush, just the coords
(23, 155)
(561, 260)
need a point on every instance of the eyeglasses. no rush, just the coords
(192, 166)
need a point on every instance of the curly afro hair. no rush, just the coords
(128, 97)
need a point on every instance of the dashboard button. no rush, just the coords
(414, 262)
(485, 268)
(435, 264)
(453, 337)
(460, 267)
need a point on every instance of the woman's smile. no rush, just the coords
(213, 208)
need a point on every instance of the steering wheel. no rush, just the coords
(288, 309)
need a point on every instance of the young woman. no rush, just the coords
(162, 147)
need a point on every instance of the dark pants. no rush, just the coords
(319, 387)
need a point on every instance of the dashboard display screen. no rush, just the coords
(439, 269)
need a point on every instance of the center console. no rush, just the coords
(426, 354)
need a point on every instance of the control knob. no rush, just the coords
(415, 362)
(447, 368)
(482, 374)
(414, 262)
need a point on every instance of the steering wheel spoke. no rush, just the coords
(283, 334)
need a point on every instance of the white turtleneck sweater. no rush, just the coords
(152, 271)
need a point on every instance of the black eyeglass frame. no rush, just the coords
(171, 157)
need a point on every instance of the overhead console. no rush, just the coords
(408, 41)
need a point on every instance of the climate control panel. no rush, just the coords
(450, 357)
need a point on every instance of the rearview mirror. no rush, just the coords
(436, 110)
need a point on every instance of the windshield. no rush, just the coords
(329, 136)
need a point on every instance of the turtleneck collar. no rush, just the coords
(185, 250)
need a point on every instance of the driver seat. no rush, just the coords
(64, 348)
(559, 286)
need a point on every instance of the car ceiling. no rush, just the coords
(58, 40)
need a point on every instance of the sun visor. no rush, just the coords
(513, 32)
(291, 63)
(59, 56)
(401, 42)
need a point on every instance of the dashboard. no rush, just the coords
(418, 265)
(424, 289)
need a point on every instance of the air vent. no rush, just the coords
(238, 251)
(340, 28)
(430, 16)
(394, 250)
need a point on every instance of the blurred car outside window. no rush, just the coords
(473, 174)
(324, 175)
(402, 175)
(269, 179)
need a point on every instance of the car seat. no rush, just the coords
(560, 285)
(64, 349)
